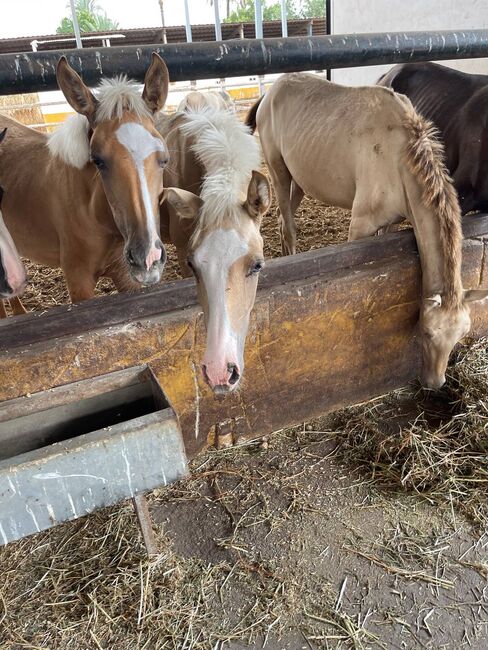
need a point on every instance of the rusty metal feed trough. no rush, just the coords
(330, 327)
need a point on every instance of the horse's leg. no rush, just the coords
(282, 180)
(81, 280)
(3, 311)
(296, 196)
(366, 219)
(17, 307)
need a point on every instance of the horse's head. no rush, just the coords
(226, 259)
(442, 326)
(130, 156)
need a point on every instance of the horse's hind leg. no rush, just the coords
(282, 182)
(17, 307)
(366, 219)
(296, 196)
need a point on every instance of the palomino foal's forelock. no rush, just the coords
(141, 144)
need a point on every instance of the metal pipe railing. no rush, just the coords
(36, 71)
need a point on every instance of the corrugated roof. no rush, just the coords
(151, 35)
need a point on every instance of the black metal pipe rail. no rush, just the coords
(20, 73)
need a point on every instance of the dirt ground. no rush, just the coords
(286, 543)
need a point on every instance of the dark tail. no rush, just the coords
(251, 116)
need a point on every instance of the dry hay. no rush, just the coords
(432, 443)
(28, 114)
(317, 226)
(246, 540)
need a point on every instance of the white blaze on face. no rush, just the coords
(141, 144)
(11, 262)
(219, 250)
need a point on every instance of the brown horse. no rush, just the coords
(86, 197)
(367, 149)
(213, 216)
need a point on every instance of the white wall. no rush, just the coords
(361, 16)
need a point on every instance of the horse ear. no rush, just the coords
(186, 204)
(77, 94)
(473, 295)
(156, 84)
(258, 195)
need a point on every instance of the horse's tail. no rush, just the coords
(251, 115)
(425, 160)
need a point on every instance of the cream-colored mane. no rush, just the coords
(228, 153)
(115, 96)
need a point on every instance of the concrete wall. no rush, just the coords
(358, 16)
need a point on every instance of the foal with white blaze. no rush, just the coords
(86, 197)
(217, 231)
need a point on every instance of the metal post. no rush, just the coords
(284, 22)
(258, 21)
(218, 33)
(161, 7)
(76, 27)
(328, 28)
(258, 18)
(218, 28)
(187, 22)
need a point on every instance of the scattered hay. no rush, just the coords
(317, 226)
(435, 444)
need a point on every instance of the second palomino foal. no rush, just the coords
(86, 198)
(213, 216)
(367, 149)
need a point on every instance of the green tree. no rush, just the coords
(312, 9)
(91, 18)
(244, 11)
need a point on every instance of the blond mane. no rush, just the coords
(228, 153)
(425, 159)
(115, 97)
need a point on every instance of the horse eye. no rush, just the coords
(98, 162)
(162, 162)
(256, 267)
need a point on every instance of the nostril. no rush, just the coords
(204, 372)
(234, 377)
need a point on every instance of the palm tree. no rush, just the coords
(91, 18)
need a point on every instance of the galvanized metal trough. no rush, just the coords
(70, 450)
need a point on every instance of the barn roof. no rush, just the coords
(154, 35)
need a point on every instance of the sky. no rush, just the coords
(36, 18)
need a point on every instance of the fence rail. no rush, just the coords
(34, 72)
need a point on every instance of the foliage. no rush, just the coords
(91, 18)
(243, 10)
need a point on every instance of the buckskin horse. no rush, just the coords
(368, 150)
(86, 197)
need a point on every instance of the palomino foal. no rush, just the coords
(367, 149)
(216, 232)
(86, 198)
